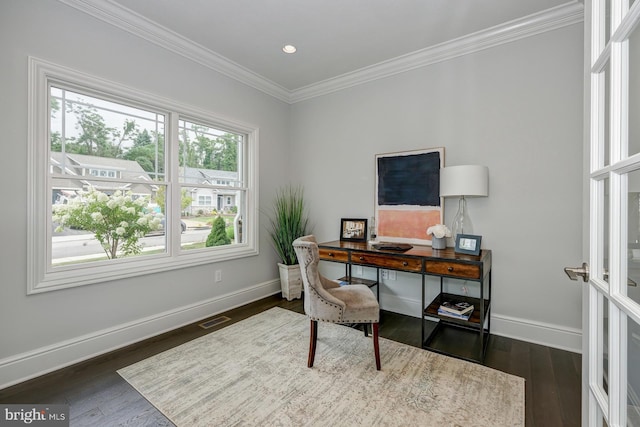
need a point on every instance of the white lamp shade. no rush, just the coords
(465, 180)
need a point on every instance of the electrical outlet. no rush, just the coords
(385, 274)
(218, 276)
(392, 274)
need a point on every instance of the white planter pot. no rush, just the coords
(290, 281)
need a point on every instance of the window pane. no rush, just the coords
(633, 373)
(604, 224)
(95, 226)
(208, 155)
(633, 227)
(201, 229)
(92, 131)
(634, 92)
(605, 344)
(117, 215)
(607, 115)
(602, 117)
(212, 193)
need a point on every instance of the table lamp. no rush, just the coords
(463, 181)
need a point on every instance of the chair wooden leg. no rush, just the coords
(313, 338)
(376, 347)
(365, 326)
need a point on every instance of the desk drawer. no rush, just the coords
(387, 261)
(448, 268)
(337, 255)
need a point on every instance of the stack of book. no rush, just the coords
(459, 310)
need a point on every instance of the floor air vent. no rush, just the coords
(213, 322)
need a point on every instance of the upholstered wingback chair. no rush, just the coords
(326, 301)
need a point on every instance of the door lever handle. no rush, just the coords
(575, 272)
(630, 281)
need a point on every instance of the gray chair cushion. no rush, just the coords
(361, 305)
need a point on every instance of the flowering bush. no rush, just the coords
(439, 231)
(118, 221)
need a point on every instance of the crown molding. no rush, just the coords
(548, 20)
(134, 23)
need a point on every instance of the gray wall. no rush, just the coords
(46, 330)
(517, 109)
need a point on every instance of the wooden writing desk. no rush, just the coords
(424, 260)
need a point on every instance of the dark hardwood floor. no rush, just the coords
(98, 396)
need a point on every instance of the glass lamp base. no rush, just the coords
(461, 222)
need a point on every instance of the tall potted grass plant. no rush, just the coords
(289, 221)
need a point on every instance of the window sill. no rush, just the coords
(60, 278)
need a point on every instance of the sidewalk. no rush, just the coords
(73, 237)
(195, 225)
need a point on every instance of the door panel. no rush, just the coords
(612, 302)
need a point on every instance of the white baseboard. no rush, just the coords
(396, 304)
(22, 367)
(561, 337)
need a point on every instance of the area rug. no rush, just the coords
(254, 373)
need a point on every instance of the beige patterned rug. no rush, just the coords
(254, 373)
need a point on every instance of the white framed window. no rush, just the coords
(204, 200)
(110, 172)
(103, 173)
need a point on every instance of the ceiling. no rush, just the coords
(334, 37)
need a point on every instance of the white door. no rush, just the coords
(611, 356)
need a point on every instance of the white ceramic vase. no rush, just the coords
(438, 242)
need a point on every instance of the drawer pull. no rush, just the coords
(449, 269)
(331, 254)
(361, 258)
(405, 263)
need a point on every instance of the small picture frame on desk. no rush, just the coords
(353, 229)
(468, 244)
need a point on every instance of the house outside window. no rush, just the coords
(101, 178)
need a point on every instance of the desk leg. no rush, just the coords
(481, 356)
(422, 316)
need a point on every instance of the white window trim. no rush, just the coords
(41, 278)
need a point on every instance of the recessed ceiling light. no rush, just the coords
(289, 48)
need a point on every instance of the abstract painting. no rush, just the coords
(407, 195)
